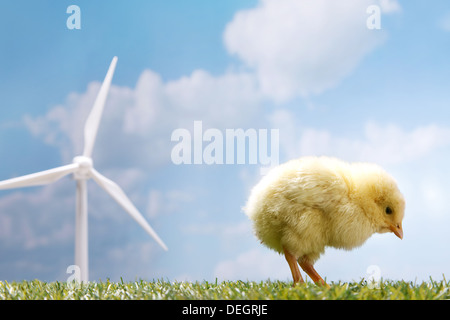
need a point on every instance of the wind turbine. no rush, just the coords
(82, 169)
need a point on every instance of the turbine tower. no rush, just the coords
(82, 169)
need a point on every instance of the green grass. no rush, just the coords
(228, 290)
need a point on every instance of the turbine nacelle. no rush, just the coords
(84, 170)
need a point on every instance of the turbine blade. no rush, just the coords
(93, 121)
(117, 194)
(39, 178)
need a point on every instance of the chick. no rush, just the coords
(307, 204)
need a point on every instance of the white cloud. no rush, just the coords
(384, 144)
(391, 144)
(299, 47)
(63, 125)
(230, 99)
(220, 101)
(40, 217)
(255, 264)
(146, 104)
(141, 119)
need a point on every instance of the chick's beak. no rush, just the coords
(397, 230)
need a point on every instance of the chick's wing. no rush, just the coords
(319, 188)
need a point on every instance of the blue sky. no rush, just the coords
(313, 70)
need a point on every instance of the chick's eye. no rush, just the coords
(388, 210)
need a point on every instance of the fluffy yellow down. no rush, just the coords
(309, 203)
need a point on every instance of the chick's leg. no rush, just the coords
(292, 261)
(309, 269)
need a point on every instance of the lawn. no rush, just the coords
(226, 290)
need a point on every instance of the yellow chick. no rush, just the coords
(307, 204)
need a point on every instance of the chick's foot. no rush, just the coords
(292, 261)
(311, 272)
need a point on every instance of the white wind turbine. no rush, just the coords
(82, 169)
